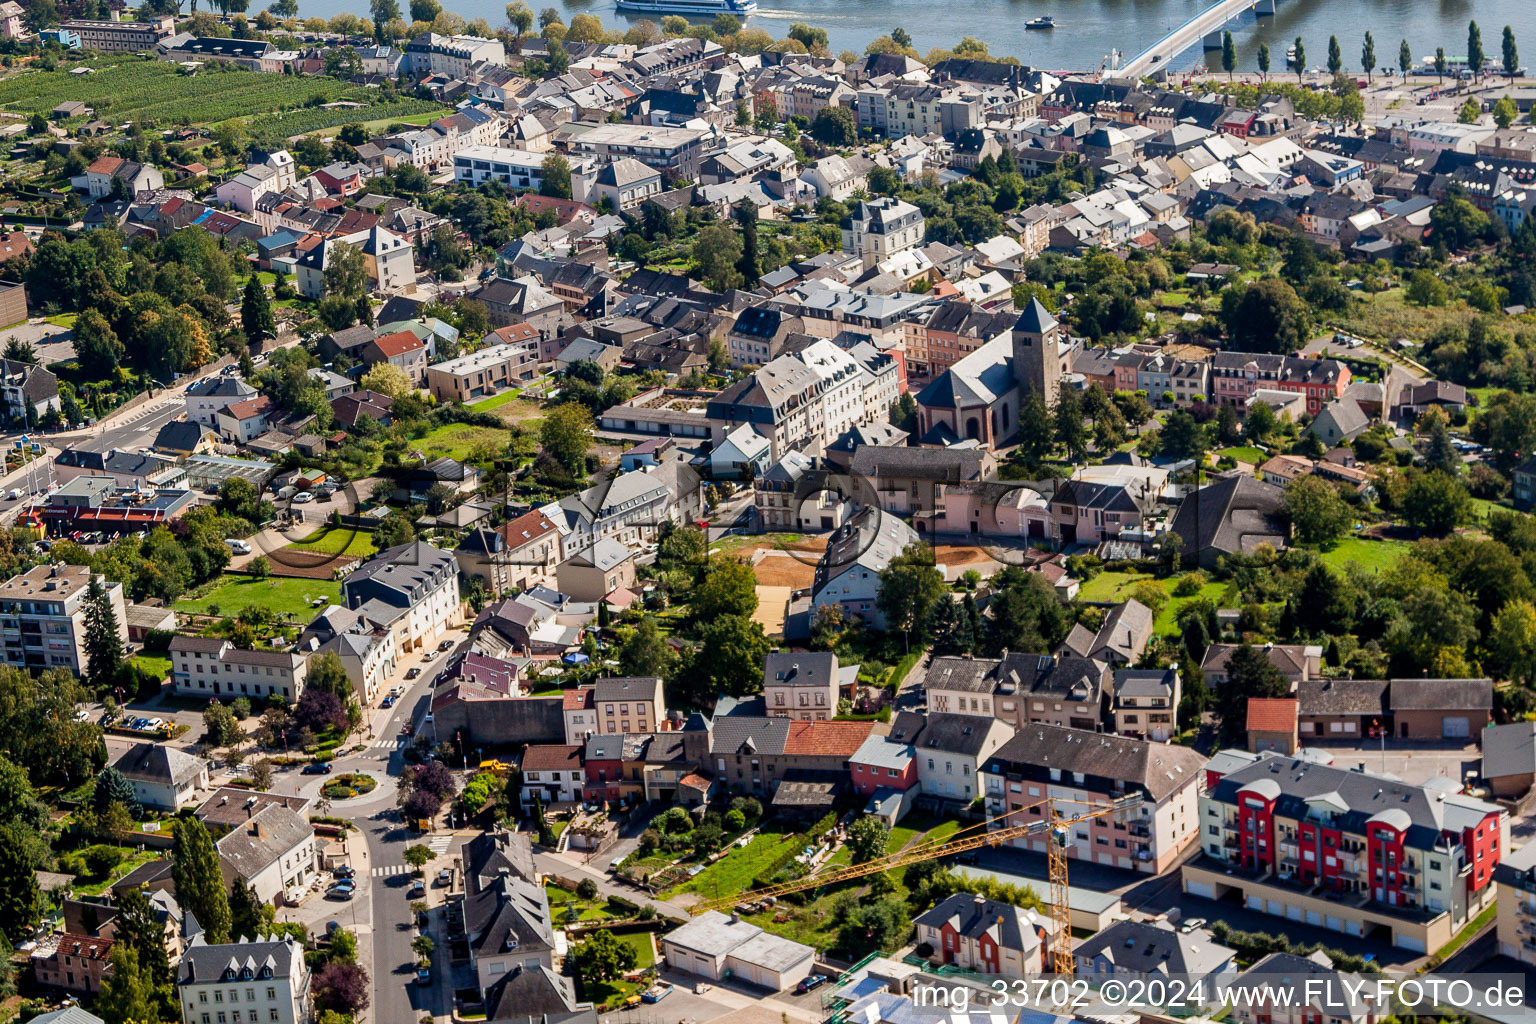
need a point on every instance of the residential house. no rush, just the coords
(163, 778)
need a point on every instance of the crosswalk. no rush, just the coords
(389, 743)
(439, 844)
(386, 870)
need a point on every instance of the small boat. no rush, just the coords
(1044, 21)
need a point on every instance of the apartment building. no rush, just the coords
(208, 667)
(1151, 787)
(210, 397)
(42, 616)
(1348, 850)
(677, 153)
(629, 704)
(1235, 376)
(1515, 882)
(260, 980)
(977, 934)
(452, 56)
(119, 36)
(479, 374)
(514, 168)
(1021, 689)
(412, 589)
(802, 684)
(881, 228)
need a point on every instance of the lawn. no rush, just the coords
(134, 859)
(338, 540)
(285, 596)
(161, 667)
(561, 900)
(734, 872)
(1117, 586)
(456, 440)
(611, 993)
(1243, 453)
(495, 401)
(1376, 555)
(1107, 586)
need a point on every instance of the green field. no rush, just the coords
(338, 540)
(1117, 586)
(1242, 453)
(1376, 555)
(495, 401)
(285, 596)
(456, 440)
(735, 871)
(161, 667)
(125, 88)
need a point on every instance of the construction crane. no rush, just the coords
(1058, 829)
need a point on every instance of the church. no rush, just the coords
(978, 398)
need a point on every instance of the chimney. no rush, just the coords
(735, 917)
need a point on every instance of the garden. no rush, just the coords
(350, 784)
(231, 594)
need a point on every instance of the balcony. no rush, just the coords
(1141, 829)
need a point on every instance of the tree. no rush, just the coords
(909, 585)
(646, 652)
(1037, 430)
(19, 895)
(1182, 437)
(256, 311)
(1228, 54)
(1440, 453)
(328, 675)
(555, 177)
(261, 775)
(418, 856)
(748, 266)
(1471, 112)
(1368, 55)
(866, 839)
(1266, 316)
(1071, 426)
(1264, 60)
(1436, 503)
(566, 435)
(1512, 642)
(835, 125)
(1335, 56)
(1249, 674)
(219, 724)
(246, 920)
(585, 28)
(1440, 63)
(127, 996)
(342, 987)
(394, 530)
(138, 925)
(1316, 512)
(1475, 53)
(388, 379)
(728, 588)
(111, 788)
(96, 345)
(876, 924)
(520, 17)
(345, 273)
(1404, 58)
(105, 653)
(728, 659)
(199, 883)
(19, 803)
(1300, 60)
(602, 957)
(1505, 112)
(716, 252)
(1511, 52)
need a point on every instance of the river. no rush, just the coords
(1088, 29)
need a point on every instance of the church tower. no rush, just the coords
(1037, 354)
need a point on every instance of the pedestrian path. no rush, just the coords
(439, 844)
(390, 869)
(389, 743)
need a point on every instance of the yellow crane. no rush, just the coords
(1059, 835)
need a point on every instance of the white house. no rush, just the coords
(163, 778)
(273, 852)
(741, 449)
(848, 574)
(265, 976)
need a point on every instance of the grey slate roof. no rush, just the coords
(1158, 768)
(1441, 695)
(272, 832)
(158, 764)
(1140, 947)
(1342, 697)
(202, 963)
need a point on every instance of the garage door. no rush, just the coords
(1314, 918)
(1200, 889)
(1276, 907)
(1334, 924)
(1293, 912)
(1404, 941)
(1455, 728)
(1256, 903)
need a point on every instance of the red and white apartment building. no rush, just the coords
(1346, 849)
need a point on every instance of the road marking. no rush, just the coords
(439, 844)
(391, 744)
(389, 869)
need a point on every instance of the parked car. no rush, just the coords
(418, 890)
(316, 768)
(345, 871)
(303, 498)
(423, 975)
(389, 701)
(413, 673)
(1192, 924)
(238, 546)
(336, 892)
(446, 645)
(809, 982)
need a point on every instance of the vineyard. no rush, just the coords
(134, 89)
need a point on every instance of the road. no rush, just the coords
(1182, 38)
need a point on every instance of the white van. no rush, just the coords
(238, 546)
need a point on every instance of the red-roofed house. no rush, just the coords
(1272, 724)
(553, 771)
(580, 710)
(839, 740)
(16, 244)
(74, 963)
(244, 420)
(534, 549)
(402, 349)
(99, 176)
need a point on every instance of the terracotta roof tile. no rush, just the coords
(1272, 714)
